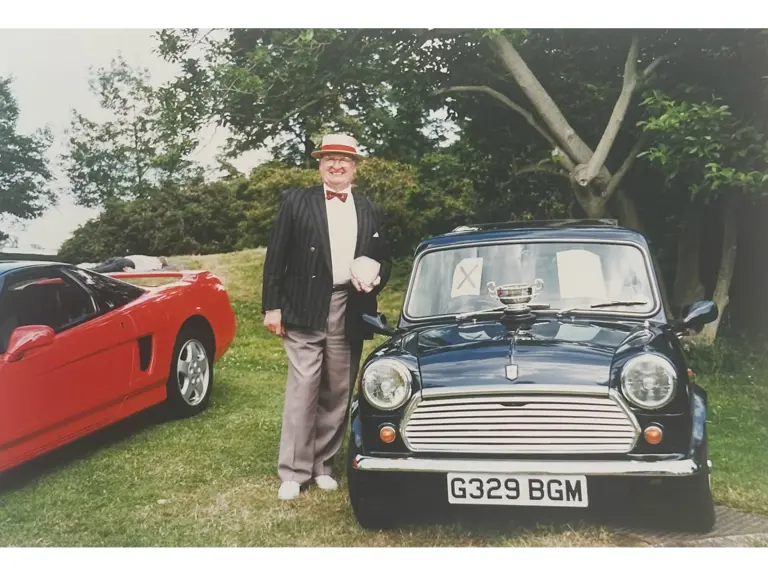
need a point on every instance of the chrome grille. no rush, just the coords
(520, 423)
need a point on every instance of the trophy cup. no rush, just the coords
(515, 297)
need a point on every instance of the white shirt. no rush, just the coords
(145, 263)
(342, 232)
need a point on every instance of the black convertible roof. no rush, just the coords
(11, 265)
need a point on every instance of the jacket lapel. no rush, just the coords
(320, 219)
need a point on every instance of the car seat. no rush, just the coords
(9, 317)
(41, 306)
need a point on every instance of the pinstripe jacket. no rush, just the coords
(298, 278)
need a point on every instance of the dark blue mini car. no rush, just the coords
(533, 364)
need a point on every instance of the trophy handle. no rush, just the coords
(538, 286)
(491, 286)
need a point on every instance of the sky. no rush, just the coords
(50, 71)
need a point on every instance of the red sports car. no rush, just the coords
(81, 350)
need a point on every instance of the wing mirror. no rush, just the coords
(699, 314)
(26, 338)
(379, 324)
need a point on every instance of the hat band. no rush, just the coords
(339, 148)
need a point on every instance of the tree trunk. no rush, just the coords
(727, 265)
(688, 287)
(592, 183)
(627, 211)
(629, 218)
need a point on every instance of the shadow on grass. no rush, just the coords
(82, 448)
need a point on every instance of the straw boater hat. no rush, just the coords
(338, 144)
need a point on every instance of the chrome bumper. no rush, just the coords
(668, 468)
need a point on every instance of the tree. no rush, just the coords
(142, 146)
(24, 171)
(288, 87)
(197, 218)
(724, 160)
(548, 120)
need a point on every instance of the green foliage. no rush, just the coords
(199, 218)
(238, 213)
(732, 354)
(142, 146)
(706, 144)
(287, 87)
(260, 196)
(24, 171)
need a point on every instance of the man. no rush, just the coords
(311, 298)
(136, 261)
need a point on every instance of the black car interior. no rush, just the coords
(59, 304)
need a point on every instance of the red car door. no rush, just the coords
(73, 384)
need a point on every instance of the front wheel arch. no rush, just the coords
(200, 325)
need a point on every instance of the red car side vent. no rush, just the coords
(145, 352)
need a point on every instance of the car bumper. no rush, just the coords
(656, 469)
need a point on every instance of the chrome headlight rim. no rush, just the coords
(668, 368)
(404, 373)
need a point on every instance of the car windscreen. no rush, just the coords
(568, 275)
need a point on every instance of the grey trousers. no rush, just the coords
(322, 369)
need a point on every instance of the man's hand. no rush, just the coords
(362, 287)
(367, 268)
(273, 321)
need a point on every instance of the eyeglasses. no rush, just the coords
(337, 160)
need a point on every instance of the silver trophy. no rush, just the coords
(516, 297)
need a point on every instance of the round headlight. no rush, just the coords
(386, 384)
(649, 381)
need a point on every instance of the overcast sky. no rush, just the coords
(50, 69)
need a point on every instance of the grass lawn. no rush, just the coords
(212, 480)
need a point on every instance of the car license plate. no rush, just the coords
(518, 490)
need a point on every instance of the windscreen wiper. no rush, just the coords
(606, 305)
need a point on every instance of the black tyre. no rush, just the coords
(375, 504)
(190, 382)
(692, 507)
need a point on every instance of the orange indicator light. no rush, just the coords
(653, 434)
(387, 434)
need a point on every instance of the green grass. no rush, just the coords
(734, 376)
(212, 480)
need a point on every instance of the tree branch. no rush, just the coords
(553, 118)
(613, 185)
(585, 174)
(585, 199)
(293, 112)
(504, 100)
(544, 169)
(655, 64)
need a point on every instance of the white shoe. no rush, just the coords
(289, 490)
(325, 482)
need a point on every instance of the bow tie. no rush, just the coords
(330, 195)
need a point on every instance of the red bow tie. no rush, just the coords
(330, 195)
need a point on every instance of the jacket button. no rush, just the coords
(313, 276)
(312, 249)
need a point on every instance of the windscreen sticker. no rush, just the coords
(580, 275)
(466, 277)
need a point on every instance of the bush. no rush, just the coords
(200, 218)
(238, 213)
